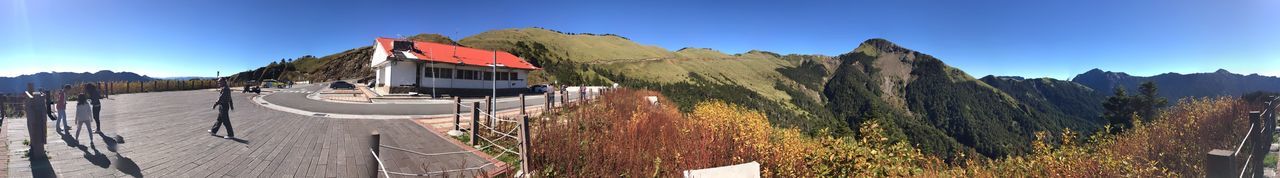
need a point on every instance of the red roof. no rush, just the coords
(444, 53)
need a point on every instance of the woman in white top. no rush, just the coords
(84, 115)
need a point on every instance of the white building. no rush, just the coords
(404, 66)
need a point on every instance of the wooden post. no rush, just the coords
(1218, 163)
(522, 112)
(457, 113)
(35, 108)
(475, 121)
(374, 140)
(1259, 143)
(489, 114)
(524, 145)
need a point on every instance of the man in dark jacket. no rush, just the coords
(224, 118)
(48, 106)
(94, 96)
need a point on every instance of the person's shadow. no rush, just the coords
(122, 163)
(68, 139)
(97, 158)
(242, 141)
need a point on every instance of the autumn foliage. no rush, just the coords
(623, 135)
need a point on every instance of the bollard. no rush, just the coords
(374, 140)
(457, 113)
(475, 121)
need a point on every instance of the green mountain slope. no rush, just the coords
(1071, 104)
(924, 97)
(688, 76)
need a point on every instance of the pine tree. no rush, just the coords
(1149, 101)
(1119, 111)
(1122, 109)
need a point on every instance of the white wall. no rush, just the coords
(379, 54)
(402, 73)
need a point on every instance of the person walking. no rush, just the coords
(60, 98)
(84, 115)
(48, 105)
(94, 96)
(224, 118)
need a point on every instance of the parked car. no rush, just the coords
(538, 88)
(271, 83)
(342, 85)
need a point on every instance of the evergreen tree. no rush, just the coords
(1118, 111)
(1148, 101)
(1122, 109)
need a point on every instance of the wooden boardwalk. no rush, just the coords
(165, 136)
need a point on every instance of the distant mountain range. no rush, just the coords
(916, 97)
(1175, 86)
(187, 78)
(52, 80)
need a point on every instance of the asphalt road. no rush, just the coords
(301, 102)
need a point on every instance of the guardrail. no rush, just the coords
(1252, 148)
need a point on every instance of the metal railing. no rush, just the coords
(1253, 147)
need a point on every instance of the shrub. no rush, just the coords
(623, 135)
(1172, 145)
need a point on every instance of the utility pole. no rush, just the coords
(434, 75)
(494, 77)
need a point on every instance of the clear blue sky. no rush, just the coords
(1025, 38)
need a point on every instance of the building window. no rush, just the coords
(515, 76)
(445, 73)
(504, 76)
(438, 73)
(467, 74)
